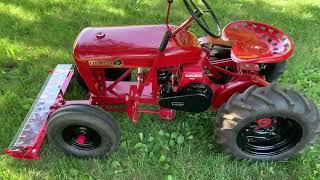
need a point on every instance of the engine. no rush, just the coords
(192, 98)
(193, 95)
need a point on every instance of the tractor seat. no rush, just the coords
(255, 42)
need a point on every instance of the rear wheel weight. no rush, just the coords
(83, 131)
(267, 124)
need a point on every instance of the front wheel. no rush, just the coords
(267, 124)
(83, 131)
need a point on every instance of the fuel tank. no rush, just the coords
(134, 46)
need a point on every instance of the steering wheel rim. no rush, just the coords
(197, 14)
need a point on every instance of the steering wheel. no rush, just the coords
(197, 13)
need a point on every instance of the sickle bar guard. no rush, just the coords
(26, 143)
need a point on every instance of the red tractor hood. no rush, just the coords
(131, 43)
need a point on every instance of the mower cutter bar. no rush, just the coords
(27, 141)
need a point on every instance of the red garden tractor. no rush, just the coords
(229, 71)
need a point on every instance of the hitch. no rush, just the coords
(29, 138)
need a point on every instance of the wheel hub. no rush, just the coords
(264, 122)
(81, 139)
(269, 136)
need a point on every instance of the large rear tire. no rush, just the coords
(267, 124)
(83, 131)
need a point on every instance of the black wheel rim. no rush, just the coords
(81, 137)
(274, 136)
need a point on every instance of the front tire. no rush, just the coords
(83, 131)
(267, 124)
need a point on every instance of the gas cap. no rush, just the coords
(100, 35)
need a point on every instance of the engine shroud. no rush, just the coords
(194, 97)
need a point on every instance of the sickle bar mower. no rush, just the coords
(27, 141)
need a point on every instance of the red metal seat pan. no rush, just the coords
(256, 42)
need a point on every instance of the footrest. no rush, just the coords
(27, 141)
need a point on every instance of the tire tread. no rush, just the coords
(270, 96)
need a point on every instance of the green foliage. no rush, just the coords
(35, 35)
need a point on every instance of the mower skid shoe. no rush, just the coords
(27, 141)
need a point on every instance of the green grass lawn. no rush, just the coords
(35, 35)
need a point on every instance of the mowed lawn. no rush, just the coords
(35, 35)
